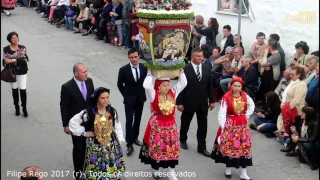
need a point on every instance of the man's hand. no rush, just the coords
(306, 69)
(180, 108)
(192, 23)
(89, 134)
(211, 106)
(67, 130)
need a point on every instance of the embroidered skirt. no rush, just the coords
(8, 4)
(234, 149)
(161, 145)
(105, 163)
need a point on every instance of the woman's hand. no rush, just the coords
(9, 61)
(295, 138)
(293, 129)
(149, 70)
(89, 134)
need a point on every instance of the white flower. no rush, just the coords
(165, 11)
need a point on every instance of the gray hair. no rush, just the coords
(273, 43)
(314, 58)
(229, 49)
(82, 5)
(246, 58)
(76, 67)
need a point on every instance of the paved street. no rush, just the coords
(39, 139)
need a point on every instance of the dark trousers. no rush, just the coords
(202, 122)
(312, 153)
(133, 119)
(102, 29)
(78, 153)
(97, 20)
(85, 24)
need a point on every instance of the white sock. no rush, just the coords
(243, 174)
(228, 171)
(172, 174)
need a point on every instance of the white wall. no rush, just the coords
(271, 17)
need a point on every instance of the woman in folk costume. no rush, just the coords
(8, 5)
(161, 147)
(100, 124)
(233, 141)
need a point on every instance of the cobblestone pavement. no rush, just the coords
(40, 140)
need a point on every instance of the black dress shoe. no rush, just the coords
(204, 152)
(290, 154)
(253, 126)
(286, 149)
(314, 167)
(130, 150)
(228, 176)
(137, 142)
(184, 145)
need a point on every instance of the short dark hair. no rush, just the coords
(275, 37)
(227, 27)
(133, 50)
(260, 34)
(195, 50)
(300, 70)
(316, 53)
(9, 36)
(303, 45)
(218, 48)
(273, 43)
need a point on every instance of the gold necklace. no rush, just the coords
(103, 128)
(166, 104)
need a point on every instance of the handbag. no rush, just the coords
(8, 75)
(70, 13)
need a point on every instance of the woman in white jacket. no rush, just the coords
(100, 124)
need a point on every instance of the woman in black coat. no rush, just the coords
(307, 138)
(15, 57)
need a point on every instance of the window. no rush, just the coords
(232, 6)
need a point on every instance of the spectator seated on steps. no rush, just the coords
(83, 18)
(307, 138)
(266, 120)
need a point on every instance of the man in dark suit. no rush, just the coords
(197, 98)
(74, 98)
(130, 84)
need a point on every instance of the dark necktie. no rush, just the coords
(137, 75)
(198, 73)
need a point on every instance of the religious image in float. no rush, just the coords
(164, 30)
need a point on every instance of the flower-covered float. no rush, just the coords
(164, 30)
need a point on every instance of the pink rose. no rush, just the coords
(230, 137)
(157, 139)
(236, 144)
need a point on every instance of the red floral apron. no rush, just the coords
(161, 135)
(235, 138)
